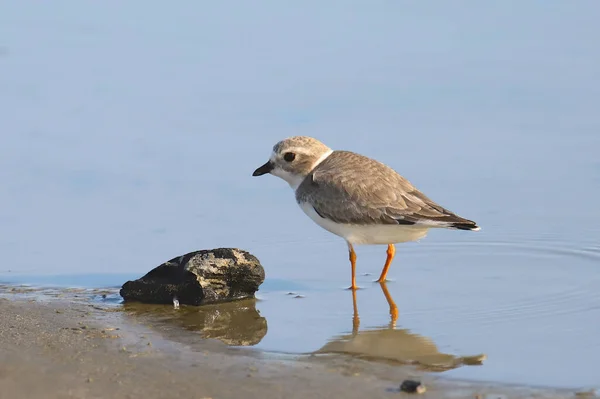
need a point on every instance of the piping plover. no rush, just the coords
(356, 197)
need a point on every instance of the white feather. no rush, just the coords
(367, 234)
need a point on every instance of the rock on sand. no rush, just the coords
(198, 278)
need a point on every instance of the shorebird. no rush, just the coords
(357, 198)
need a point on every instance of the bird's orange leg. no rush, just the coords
(391, 251)
(353, 263)
(390, 301)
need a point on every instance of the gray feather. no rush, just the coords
(354, 189)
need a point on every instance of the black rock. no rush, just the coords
(198, 278)
(412, 386)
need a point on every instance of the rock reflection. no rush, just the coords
(396, 345)
(235, 323)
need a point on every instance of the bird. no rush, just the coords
(357, 198)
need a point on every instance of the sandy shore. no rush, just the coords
(65, 349)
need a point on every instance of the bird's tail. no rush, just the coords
(465, 225)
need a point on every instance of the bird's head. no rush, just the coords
(294, 158)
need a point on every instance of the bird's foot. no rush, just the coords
(379, 280)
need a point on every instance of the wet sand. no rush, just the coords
(67, 349)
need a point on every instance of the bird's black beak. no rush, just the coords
(266, 168)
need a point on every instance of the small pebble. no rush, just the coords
(412, 386)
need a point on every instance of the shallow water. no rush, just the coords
(129, 135)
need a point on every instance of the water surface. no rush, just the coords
(129, 133)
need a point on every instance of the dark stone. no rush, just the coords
(412, 386)
(198, 278)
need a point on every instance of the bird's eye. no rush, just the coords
(289, 156)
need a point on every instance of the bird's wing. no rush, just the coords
(351, 188)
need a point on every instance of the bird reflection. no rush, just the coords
(388, 298)
(391, 344)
